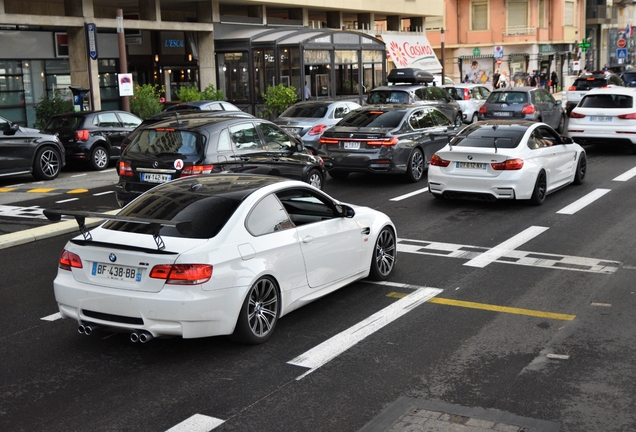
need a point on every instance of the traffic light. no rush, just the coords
(569, 56)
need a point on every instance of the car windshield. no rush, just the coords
(165, 140)
(491, 137)
(629, 78)
(589, 83)
(508, 97)
(208, 214)
(607, 101)
(64, 122)
(388, 96)
(373, 119)
(306, 111)
(457, 94)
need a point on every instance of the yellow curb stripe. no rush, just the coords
(7, 189)
(494, 308)
(77, 191)
(40, 190)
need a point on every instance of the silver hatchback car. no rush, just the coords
(470, 98)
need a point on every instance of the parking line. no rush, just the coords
(77, 191)
(626, 175)
(104, 193)
(41, 190)
(506, 247)
(54, 317)
(583, 202)
(336, 345)
(197, 423)
(409, 195)
(7, 189)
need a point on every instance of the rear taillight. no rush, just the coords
(82, 135)
(576, 115)
(317, 130)
(630, 116)
(482, 109)
(571, 88)
(466, 94)
(508, 165)
(196, 170)
(182, 274)
(384, 142)
(527, 109)
(324, 140)
(69, 260)
(438, 161)
(124, 169)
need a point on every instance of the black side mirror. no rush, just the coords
(567, 140)
(345, 211)
(11, 128)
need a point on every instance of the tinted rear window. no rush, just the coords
(457, 94)
(373, 119)
(501, 137)
(388, 96)
(70, 122)
(165, 140)
(589, 83)
(208, 214)
(511, 97)
(307, 111)
(607, 101)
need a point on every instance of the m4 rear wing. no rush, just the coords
(410, 75)
(184, 227)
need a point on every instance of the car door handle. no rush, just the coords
(366, 231)
(308, 239)
(276, 159)
(244, 158)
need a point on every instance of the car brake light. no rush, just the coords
(317, 130)
(576, 115)
(196, 170)
(324, 140)
(571, 88)
(385, 142)
(438, 161)
(82, 135)
(466, 94)
(69, 259)
(508, 165)
(482, 109)
(182, 274)
(125, 169)
(630, 116)
(165, 129)
(527, 109)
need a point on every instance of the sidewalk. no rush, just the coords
(419, 415)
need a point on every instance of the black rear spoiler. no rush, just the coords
(184, 227)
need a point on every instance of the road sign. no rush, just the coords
(498, 52)
(621, 53)
(621, 43)
(91, 40)
(499, 61)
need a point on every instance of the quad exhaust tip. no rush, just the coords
(142, 337)
(87, 329)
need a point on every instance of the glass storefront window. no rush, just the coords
(233, 76)
(317, 57)
(259, 74)
(270, 69)
(346, 56)
(371, 56)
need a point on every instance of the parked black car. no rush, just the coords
(385, 139)
(191, 145)
(524, 103)
(27, 151)
(93, 136)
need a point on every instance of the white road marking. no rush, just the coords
(106, 171)
(333, 347)
(409, 195)
(54, 317)
(506, 247)
(66, 200)
(626, 175)
(33, 212)
(104, 193)
(79, 175)
(583, 202)
(516, 257)
(197, 423)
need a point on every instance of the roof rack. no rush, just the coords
(410, 75)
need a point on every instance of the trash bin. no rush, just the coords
(80, 98)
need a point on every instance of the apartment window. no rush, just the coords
(517, 12)
(568, 16)
(542, 14)
(479, 15)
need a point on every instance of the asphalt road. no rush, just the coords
(530, 317)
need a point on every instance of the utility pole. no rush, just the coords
(123, 66)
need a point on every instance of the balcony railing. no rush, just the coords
(517, 31)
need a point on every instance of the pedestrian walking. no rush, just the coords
(554, 80)
(495, 79)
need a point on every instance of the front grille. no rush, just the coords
(112, 318)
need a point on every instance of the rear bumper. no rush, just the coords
(362, 162)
